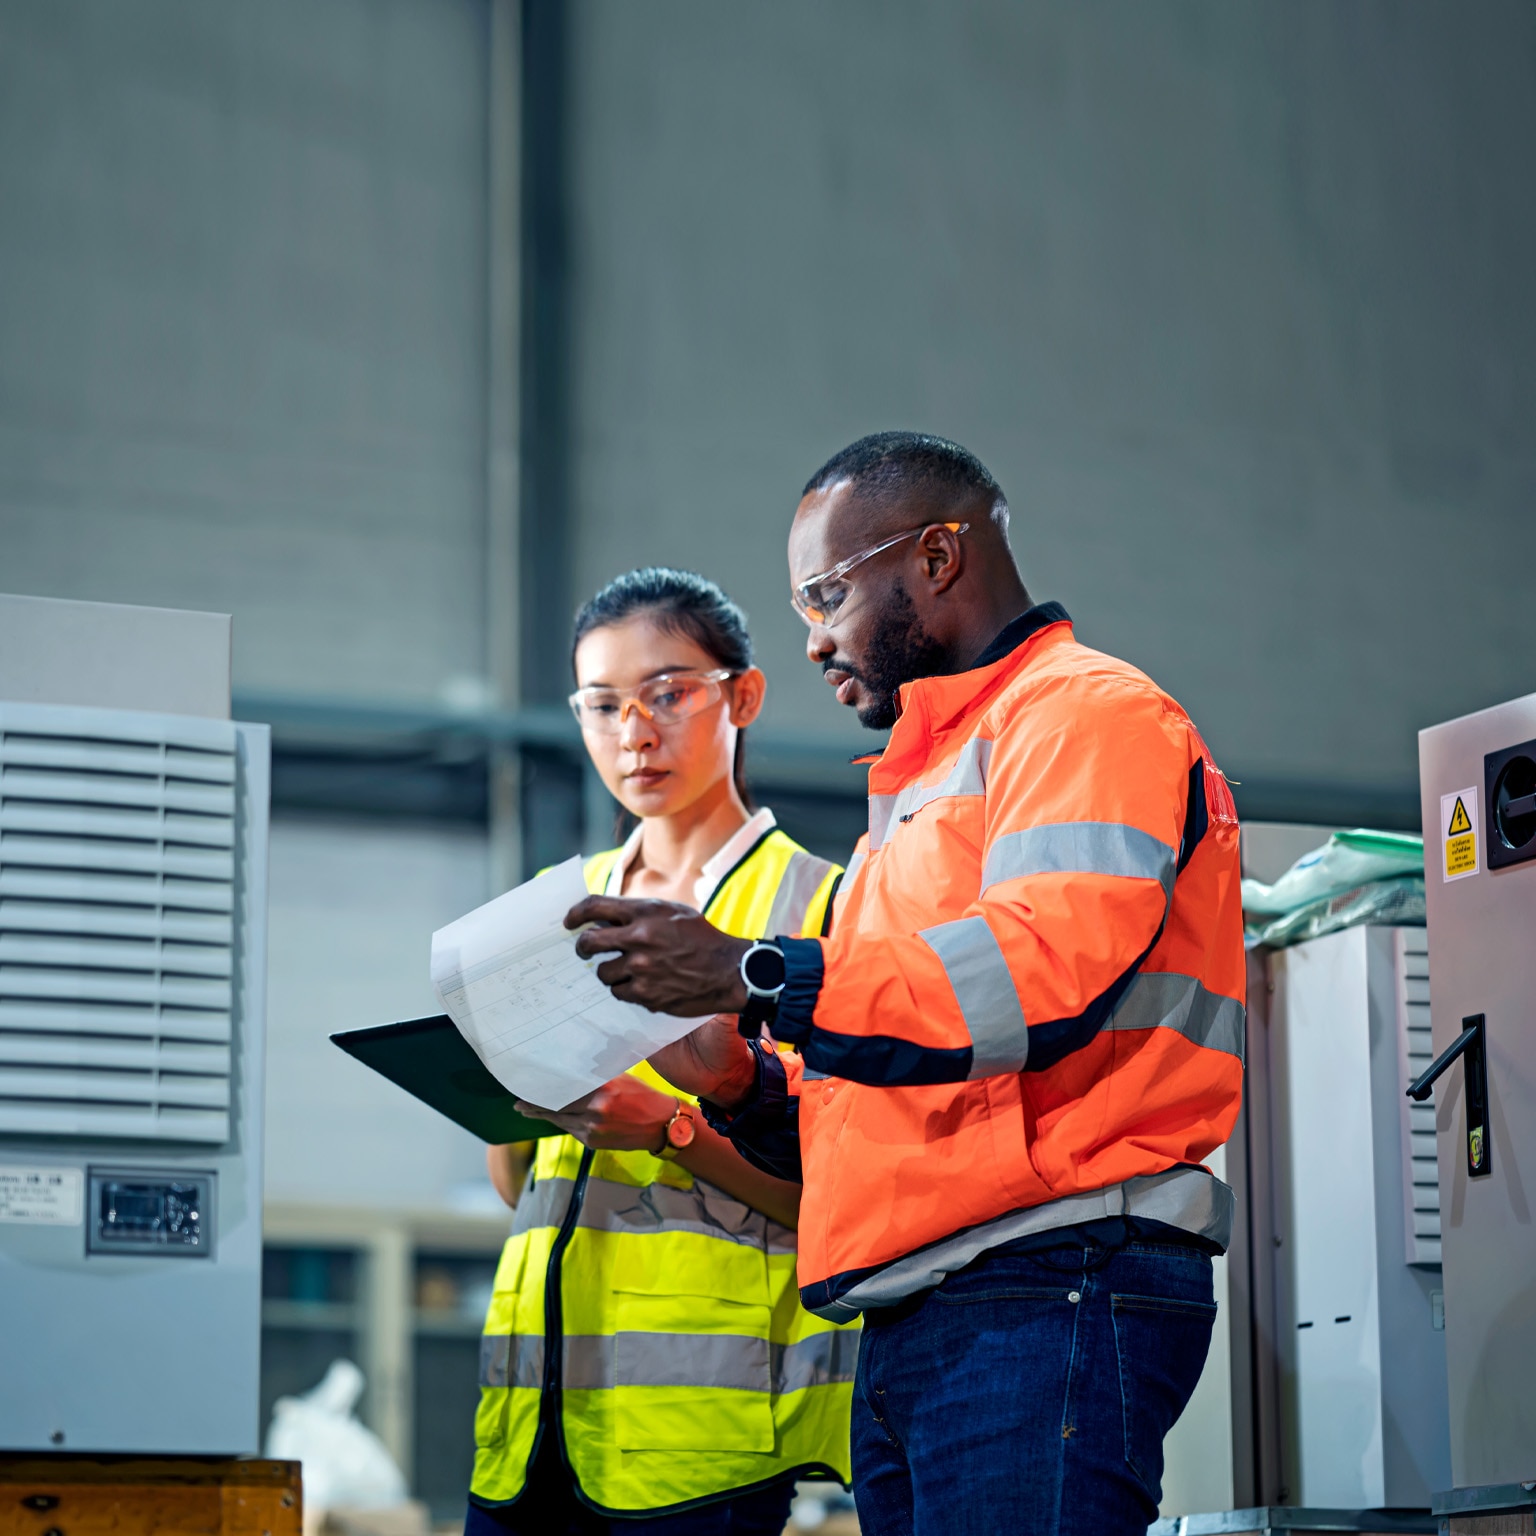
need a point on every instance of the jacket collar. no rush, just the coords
(942, 698)
(1015, 632)
(931, 704)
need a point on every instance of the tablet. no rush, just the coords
(433, 1062)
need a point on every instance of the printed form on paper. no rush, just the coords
(546, 1028)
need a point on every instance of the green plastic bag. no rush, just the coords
(1345, 862)
(1355, 877)
(1394, 903)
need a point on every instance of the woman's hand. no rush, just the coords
(622, 1116)
(713, 1062)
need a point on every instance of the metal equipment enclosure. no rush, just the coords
(1478, 788)
(133, 892)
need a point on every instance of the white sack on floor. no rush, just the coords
(345, 1463)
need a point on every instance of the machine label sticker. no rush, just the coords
(53, 1197)
(1458, 831)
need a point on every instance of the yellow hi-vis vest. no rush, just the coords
(660, 1314)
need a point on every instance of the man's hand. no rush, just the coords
(713, 1062)
(622, 1116)
(669, 959)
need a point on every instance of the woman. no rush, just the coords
(647, 1367)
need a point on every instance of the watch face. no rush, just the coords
(680, 1132)
(764, 969)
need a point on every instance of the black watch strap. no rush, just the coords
(760, 1011)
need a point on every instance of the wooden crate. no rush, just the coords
(1504, 1522)
(68, 1495)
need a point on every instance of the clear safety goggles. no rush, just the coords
(818, 599)
(662, 700)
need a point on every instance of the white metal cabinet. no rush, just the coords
(1362, 1356)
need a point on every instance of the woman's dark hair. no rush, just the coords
(682, 603)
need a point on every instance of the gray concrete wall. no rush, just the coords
(242, 325)
(350, 933)
(1235, 301)
(242, 368)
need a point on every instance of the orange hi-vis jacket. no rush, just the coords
(1030, 1011)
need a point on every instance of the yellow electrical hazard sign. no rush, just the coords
(1458, 832)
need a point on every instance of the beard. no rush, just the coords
(900, 651)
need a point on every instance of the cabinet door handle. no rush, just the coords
(1472, 1046)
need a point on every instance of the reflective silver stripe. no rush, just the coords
(1164, 1000)
(596, 1362)
(608, 1206)
(822, 1360)
(1081, 847)
(733, 1360)
(881, 809)
(989, 1001)
(967, 777)
(855, 864)
(512, 1360)
(802, 879)
(542, 1204)
(587, 1362)
(1187, 1198)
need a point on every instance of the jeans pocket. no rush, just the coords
(1160, 1347)
(996, 1290)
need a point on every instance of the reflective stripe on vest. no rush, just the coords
(608, 1206)
(797, 889)
(731, 1361)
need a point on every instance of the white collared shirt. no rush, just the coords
(716, 867)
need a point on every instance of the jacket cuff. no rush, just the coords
(765, 1129)
(804, 967)
(770, 1093)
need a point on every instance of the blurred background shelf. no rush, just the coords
(447, 1325)
(328, 1316)
(404, 1294)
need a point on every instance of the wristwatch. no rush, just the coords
(763, 972)
(680, 1131)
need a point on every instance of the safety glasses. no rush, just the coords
(662, 700)
(818, 599)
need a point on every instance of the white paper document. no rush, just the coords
(546, 1028)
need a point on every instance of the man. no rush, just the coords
(1021, 1038)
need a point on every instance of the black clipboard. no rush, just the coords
(433, 1062)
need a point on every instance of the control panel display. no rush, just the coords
(142, 1211)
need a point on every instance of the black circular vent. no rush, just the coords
(1514, 802)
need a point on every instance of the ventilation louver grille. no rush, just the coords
(117, 865)
(1421, 1183)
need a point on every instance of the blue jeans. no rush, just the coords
(1029, 1394)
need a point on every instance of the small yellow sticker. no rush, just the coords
(1458, 832)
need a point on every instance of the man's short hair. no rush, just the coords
(888, 465)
